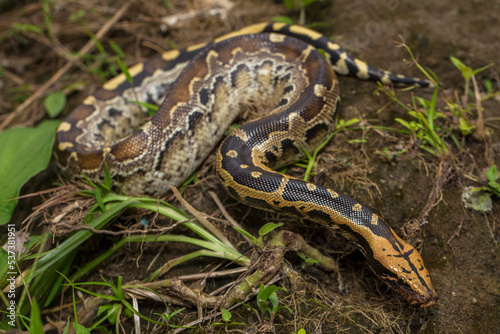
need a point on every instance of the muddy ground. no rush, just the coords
(459, 246)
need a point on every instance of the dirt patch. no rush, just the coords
(459, 246)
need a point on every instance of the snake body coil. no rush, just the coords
(205, 86)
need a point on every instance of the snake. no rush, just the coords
(200, 91)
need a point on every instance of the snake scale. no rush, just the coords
(201, 90)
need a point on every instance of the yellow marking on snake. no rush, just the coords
(357, 207)
(276, 38)
(333, 46)
(64, 126)
(64, 146)
(363, 69)
(196, 47)
(118, 80)
(278, 25)
(90, 100)
(232, 154)
(256, 174)
(170, 55)
(332, 193)
(301, 30)
(311, 187)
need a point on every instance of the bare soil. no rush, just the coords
(459, 246)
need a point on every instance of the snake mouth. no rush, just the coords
(423, 299)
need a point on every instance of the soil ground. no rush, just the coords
(459, 246)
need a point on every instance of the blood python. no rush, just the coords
(201, 90)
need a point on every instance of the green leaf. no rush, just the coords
(308, 260)
(24, 152)
(465, 126)
(81, 329)
(466, 70)
(177, 311)
(273, 298)
(283, 19)
(492, 174)
(351, 121)
(266, 292)
(268, 228)
(36, 319)
(476, 71)
(27, 28)
(246, 234)
(226, 315)
(116, 48)
(405, 124)
(54, 103)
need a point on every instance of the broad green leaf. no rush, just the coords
(24, 152)
(54, 103)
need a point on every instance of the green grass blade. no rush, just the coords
(36, 326)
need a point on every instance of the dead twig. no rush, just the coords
(412, 229)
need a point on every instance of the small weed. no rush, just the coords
(168, 316)
(493, 186)
(267, 297)
(308, 261)
(391, 155)
(424, 126)
(264, 230)
(300, 331)
(467, 73)
(226, 318)
(113, 311)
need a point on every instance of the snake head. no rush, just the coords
(417, 294)
(400, 265)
